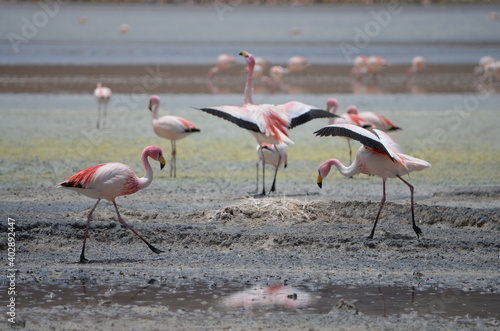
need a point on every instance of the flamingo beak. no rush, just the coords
(244, 53)
(319, 181)
(161, 159)
(150, 106)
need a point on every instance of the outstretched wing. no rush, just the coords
(364, 136)
(301, 113)
(240, 116)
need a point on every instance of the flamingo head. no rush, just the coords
(249, 58)
(323, 171)
(352, 110)
(154, 100)
(156, 154)
(332, 105)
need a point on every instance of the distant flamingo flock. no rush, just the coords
(270, 125)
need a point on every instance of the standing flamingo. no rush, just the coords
(267, 123)
(380, 155)
(111, 180)
(172, 128)
(380, 122)
(418, 64)
(102, 94)
(224, 62)
(332, 105)
(274, 155)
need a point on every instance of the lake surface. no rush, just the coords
(325, 34)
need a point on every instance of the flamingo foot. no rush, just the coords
(417, 231)
(83, 259)
(154, 249)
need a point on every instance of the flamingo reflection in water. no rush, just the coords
(277, 296)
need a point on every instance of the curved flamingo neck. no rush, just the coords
(345, 171)
(249, 85)
(148, 176)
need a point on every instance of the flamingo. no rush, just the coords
(332, 105)
(102, 95)
(267, 123)
(380, 155)
(111, 180)
(418, 64)
(297, 64)
(380, 122)
(172, 128)
(275, 155)
(224, 62)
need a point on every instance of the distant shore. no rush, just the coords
(173, 78)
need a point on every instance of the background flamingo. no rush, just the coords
(378, 121)
(111, 180)
(102, 95)
(332, 105)
(418, 64)
(380, 155)
(172, 128)
(267, 123)
(275, 155)
(224, 62)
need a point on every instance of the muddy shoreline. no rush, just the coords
(166, 78)
(225, 238)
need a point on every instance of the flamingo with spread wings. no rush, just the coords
(380, 155)
(267, 123)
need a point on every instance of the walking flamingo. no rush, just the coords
(267, 123)
(102, 95)
(172, 128)
(276, 156)
(380, 122)
(332, 105)
(380, 155)
(111, 180)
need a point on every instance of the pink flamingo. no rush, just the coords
(102, 95)
(380, 155)
(418, 64)
(224, 62)
(267, 123)
(172, 128)
(297, 64)
(332, 105)
(274, 155)
(111, 180)
(378, 121)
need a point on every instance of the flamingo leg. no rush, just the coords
(350, 150)
(122, 222)
(379, 210)
(273, 187)
(263, 172)
(98, 115)
(414, 226)
(257, 180)
(89, 218)
(104, 115)
(173, 163)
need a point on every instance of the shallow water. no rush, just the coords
(334, 34)
(70, 301)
